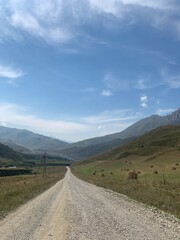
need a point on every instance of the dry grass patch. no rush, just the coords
(16, 190)
(161, 190)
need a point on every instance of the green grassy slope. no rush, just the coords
(8, 155)
(80, 153)
(156, 156)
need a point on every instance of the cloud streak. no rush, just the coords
(59, 21)
(122, 115)
(10, 73)
(166, 111)
(115, 83)
(104, 123)
(144, 101)
(172, 81)
(14, 115)
(29, 23)
(106, 93)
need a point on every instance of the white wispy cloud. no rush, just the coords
(14, 115)
(11, 75)
(113, 121)
(122, 8)
(165, 111)
(112, 116)
(147, 82)
(115, 83)
(141, 84)
(106, 93)
(60, 21)
(40, 19)
(31, 24)
(144, 101)
(90, 90)
(172, 81)
(105, 6)
(9, 72)
(158, 4)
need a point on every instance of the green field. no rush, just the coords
(161, 190)
(16, 190)
(157, 151)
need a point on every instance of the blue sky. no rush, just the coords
(76, 69)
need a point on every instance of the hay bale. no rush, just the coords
(132, 175)
(111, 173)
(155, 172)
(102, 174)
(173, 168)
(94, 173)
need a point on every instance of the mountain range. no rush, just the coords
(94, 146)
(25, 141)
(158, 142)
(28, 142)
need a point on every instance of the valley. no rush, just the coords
(89, 120)
(74, 209)
(133, 184)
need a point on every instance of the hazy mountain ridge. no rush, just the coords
(26, 141)
(8, 153)
(79, 153)
(16, 147)
(94, 146)
(30, 140)
(158, 141)
(136, 129)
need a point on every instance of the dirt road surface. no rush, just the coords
(74, 209)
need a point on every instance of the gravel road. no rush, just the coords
(74, 209)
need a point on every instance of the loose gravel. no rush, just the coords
(76, 210)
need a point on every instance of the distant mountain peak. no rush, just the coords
(175, 116)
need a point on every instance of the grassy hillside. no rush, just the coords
(165, 138)
(91, 147)
(80, 153)
(8, 155)
(16, 147)
(154, 157)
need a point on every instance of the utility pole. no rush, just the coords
(44, 164)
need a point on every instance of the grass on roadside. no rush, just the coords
(160, 190)
(16, 190)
